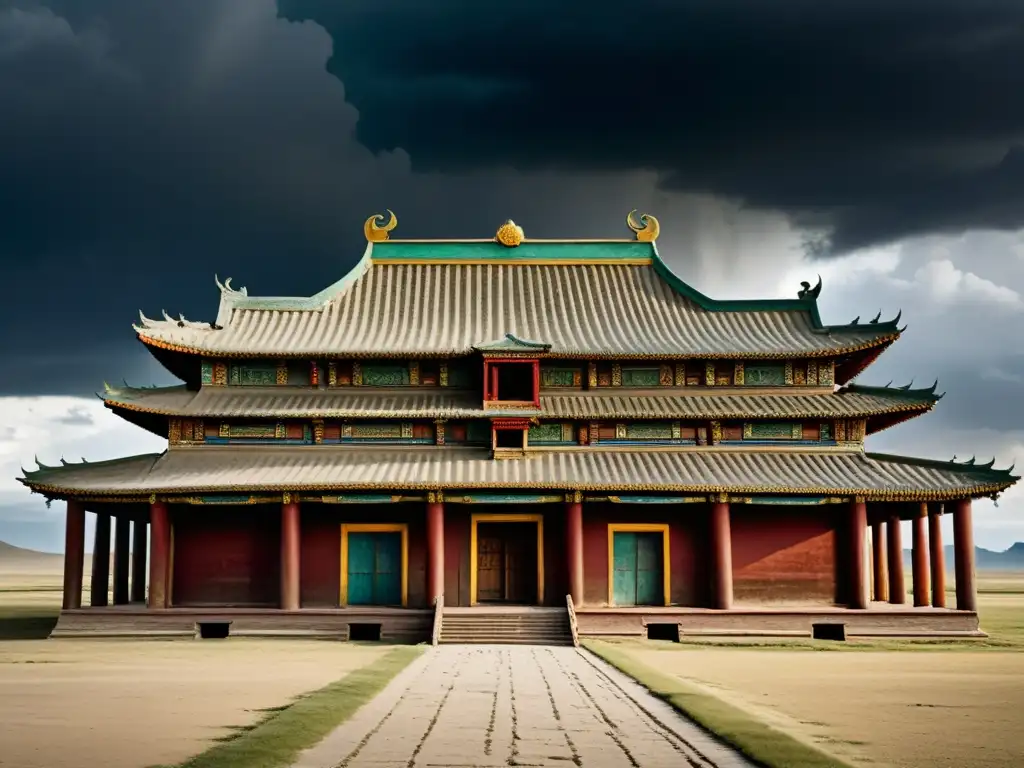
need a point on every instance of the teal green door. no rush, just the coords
(637, 569)
(375, 569)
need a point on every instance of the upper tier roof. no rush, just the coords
(583, 298)
(895, 403)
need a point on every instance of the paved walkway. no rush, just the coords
(496, 706)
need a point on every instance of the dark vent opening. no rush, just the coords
(214, 630)
(508, 438)
(829, 632)
(515, 382)
(663, 632)
(364, 632)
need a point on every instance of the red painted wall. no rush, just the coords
(457, 541)
(687, 552)
(320, 568)
(226, 555)
(784, 553)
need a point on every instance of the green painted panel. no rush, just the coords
(385, 375)
(649, 431)
(825, 430)
(207, 372)
(641, 377)
(648, 569)
(488, 249)
(558, 377)
(773, 430)
(764, 375)
(478, 431)
(624, 568)
(252, 376)
(547, 433)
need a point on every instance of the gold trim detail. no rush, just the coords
(827, 373)
(812, 372)
(738, 373)
(576, 497)
(400, 528)
(286, 498)
(666, 564)
(332, 374)
(510, 234)
(595, 432)
(442, 374)
(357, 374)
(220, 374)
(716, 432)
(282, 373)
(475, 520)
(789, 373)
(616, 374)
(439, 431)
(680, 374)
(374, 232)
(591, 375)
(414, 373)
(709, 374)
(318, 431)
(645, 226)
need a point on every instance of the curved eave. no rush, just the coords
(137, 411)
(181, 369)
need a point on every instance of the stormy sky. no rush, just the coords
(146, 146)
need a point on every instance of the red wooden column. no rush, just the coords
(858, 597)
(100, 562)
(122, 558)
(159, 554)
(74, 554)
(435, 547)
(963, 553)
(919, 556)
(139, 543)
(879, 572)
(897, 587)
(938, 556)
(574, 547)
(290, 554)
(721, 556)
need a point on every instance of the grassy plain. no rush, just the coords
(127, 704)
(902, 703)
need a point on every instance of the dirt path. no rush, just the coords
(495, 706)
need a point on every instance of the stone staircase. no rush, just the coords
(506, 626)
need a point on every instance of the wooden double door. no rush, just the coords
(506, 559)
(638, 568)
(375, 568)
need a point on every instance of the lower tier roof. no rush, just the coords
(328, 468)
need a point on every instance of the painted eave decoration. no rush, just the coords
(443, 297)
(881, 477)
(852, 401)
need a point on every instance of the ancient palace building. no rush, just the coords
(509, 438)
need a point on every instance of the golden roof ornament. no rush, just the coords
(510, 234)
(374, 231)
(645, 226)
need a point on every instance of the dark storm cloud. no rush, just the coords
(881, 118)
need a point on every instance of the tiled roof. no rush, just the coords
(615, 299)
(719, 470)
(364, 402)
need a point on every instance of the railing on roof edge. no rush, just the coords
(435, 635)
(573, 626)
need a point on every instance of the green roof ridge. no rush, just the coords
(968, 466)
(905, 392)
(511, 342)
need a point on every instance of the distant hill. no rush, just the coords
(11, 553)
(1011, 559)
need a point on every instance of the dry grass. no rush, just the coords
(871, 703)
(127, 704)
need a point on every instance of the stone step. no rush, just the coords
(559, 641)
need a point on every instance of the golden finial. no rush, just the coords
(375, 233)
(646, 226)
(510, 234)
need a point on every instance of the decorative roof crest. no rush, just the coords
(375, 233)
(510, 234)
(645, 226)
(806, 292)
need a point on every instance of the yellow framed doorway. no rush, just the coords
(487, 518)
